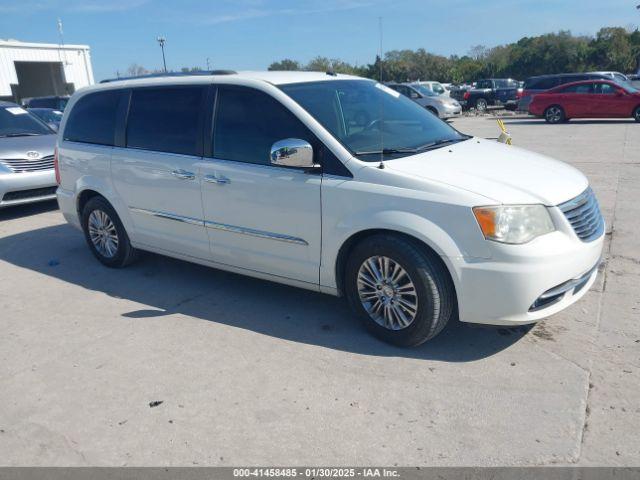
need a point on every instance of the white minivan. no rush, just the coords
(332, 183)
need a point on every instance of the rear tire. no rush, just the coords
(555, 114)
(402, 292)
(481, 105)
(105, 234)
(636, 114)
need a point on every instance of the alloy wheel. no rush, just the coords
(103, 233)
(481, 105)
(554, 114)
(387, 293)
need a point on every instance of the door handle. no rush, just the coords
(220, 180)
(183, 174)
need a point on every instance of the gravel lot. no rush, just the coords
(248, 372)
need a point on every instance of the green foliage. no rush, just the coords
(613, 48)
(286, 64)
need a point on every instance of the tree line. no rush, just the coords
(611, 49)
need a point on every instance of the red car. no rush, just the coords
(587, 99)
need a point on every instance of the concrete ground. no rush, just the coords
(250, 372)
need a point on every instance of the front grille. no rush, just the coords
(27, 194)
(584, 215)
(20, 165)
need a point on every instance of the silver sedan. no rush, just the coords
(440, 105)
(26, 157)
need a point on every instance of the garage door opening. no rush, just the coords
(39, 79)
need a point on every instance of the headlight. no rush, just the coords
(513, 223)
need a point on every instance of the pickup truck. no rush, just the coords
(493, 91)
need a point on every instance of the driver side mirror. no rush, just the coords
(292, 152)
(620, 92)
(53, 126)
(415, 94)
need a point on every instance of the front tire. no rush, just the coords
(554, 115)
(105, 234)
(402, 292)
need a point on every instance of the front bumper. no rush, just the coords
(28, 187)
(507, 289)
(67, 202)
(450, 112)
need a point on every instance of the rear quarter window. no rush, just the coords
(93, 118)
(544, 83)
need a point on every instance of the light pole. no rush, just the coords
(161, 41)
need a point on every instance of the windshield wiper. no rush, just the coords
(19, 135)
(421, 148)
(439, 143)
(388, 151)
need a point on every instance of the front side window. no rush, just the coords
(166, 119)
(93, 118)
(248, 122)
(485, 84)
(604, 89)
(370, 119)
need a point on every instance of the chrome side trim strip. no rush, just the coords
(169, 216)
(255, 233)
(569, 284)
(222, 226)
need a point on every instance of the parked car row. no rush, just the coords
(440, 105)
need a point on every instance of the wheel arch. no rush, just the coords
(89, 186)
(433, 110)
(350, 243)
(83, 197)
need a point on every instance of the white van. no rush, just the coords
(333, 183)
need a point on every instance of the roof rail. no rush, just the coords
(171, 74)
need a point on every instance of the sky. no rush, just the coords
(250, 34)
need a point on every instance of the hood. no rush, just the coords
(502, 173)
(17, 147)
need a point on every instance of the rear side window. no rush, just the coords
(166, 119)
(544, 83)
(575, 78)
(248, 122)
(582, 88)
(93, 118)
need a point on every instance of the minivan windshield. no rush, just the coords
(371, 120)
(17, 122)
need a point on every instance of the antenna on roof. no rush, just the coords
(381, 124)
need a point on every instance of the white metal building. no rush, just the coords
(40, 69)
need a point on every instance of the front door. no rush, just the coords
(259, 217)
(607, 102)
(157, 174)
